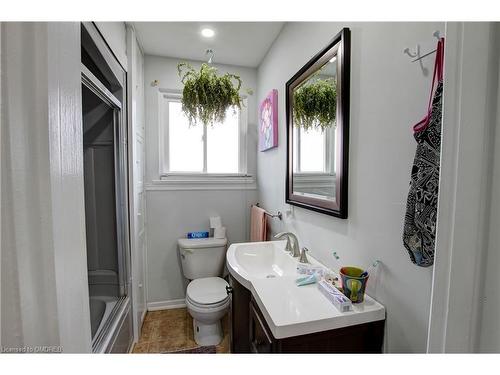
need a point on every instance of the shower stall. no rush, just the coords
(106, 194)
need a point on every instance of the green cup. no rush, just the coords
(353, 284)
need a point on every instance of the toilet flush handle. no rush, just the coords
(183, 254)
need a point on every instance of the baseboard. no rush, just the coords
(165, 305)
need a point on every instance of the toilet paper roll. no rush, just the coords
(215, 222)
(220, 232)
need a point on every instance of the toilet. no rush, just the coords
(207, 299)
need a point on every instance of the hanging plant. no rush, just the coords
(206, 96)
(315, 104)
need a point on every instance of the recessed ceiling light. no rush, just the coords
(207, 33)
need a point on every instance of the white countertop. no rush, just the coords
(290, 310)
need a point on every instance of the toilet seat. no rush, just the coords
(207, 292)
(207, 308)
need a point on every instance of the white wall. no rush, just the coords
(469, 117)
(115, 34)
(171, 214)
(1, 116)
(389, 94)
(489, 302)
(135, 82)
(488, 339)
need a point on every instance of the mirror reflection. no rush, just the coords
(314, 124)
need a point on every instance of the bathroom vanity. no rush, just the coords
(270, 314)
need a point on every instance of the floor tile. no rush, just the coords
(149, 330)
(141, 347)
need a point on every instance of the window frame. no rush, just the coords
(166, 96)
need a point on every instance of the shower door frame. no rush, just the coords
(102, 340)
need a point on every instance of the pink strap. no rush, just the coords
(438, 72)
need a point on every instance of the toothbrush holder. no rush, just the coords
(353, 284)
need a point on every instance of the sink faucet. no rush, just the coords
(303, 256)
(292, 243)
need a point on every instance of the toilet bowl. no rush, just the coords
(207, 300)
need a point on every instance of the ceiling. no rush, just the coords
(234, 43)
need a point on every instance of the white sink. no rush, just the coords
(264, 259)
(261, 260)
(269, 273)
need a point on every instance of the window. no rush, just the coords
(320, 155)
(207, 150)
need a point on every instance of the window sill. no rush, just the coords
(197, 181)
(312, 179)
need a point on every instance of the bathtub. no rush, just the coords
(110, 316)
(103, 294)
(101, 308)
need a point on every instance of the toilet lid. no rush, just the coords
(207, 290)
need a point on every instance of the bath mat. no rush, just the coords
(199, 350)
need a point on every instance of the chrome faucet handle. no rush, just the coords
(292, 243)
(288, 246)
(303, 256)
(295, 252)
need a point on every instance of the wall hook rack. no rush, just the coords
(211, 53)
(416, 56)
(412, 55)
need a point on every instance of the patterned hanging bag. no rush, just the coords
(419, 233)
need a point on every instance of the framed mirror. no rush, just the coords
(317, 115)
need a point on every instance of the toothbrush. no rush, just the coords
(365, 273)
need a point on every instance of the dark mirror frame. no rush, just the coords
(341, 46)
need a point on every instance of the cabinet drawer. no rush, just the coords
(260, 339)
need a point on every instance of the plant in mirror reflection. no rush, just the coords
(315, 104)
(206, 96)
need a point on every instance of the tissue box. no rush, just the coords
(335, 296)
(197, 235)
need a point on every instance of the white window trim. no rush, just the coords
(200, 180)
(204, 182)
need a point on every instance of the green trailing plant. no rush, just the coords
(315, 104)
(206, 96)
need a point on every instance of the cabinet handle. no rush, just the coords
(229, 290)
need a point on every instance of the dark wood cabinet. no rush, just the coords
(239, 317)
(261, 340)
(251, 334)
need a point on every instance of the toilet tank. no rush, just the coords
(202, 257)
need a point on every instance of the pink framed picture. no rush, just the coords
(268, 121)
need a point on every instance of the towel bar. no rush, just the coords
(278, 215)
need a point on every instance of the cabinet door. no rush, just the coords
(260, 339)
(239, 317)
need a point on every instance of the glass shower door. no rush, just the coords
(105, 203)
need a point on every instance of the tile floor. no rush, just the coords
(172, 330)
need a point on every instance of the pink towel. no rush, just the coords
(258, 224)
